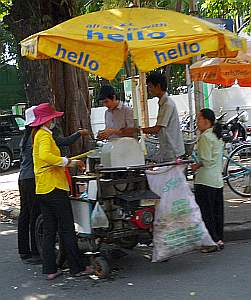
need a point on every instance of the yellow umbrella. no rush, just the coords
(99, 42)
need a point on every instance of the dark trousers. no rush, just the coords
(210, 201)
(29, 211)
(57, 214)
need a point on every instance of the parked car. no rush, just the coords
(11, 132)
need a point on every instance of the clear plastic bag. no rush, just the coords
(98, 217)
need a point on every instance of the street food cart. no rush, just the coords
(119, 185)
(106, 38)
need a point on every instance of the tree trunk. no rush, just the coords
(70, 86)
(50, 80)
(178, 5)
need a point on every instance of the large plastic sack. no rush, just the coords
(178, 225)
(98, 217)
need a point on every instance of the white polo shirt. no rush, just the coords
(119, 118)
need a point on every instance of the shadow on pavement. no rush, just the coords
(12, 170)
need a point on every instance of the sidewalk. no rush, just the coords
(237, 209)
(237, 216)
(9, 194)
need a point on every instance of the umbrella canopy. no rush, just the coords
(99, 42)
(223, 70)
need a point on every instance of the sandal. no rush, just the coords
(52, 276)
(209, 249)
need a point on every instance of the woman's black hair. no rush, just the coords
(208, 114)
(25, 138)
(34, 130)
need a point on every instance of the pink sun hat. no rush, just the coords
(44, 112)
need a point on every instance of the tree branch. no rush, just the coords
(3, 64)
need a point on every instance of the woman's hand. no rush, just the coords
(80, 164)
(76, 163)
(84, 132)
(196, 166)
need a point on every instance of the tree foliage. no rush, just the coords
(8, 45)
(227, 9)
(88, 6)
(4, 7)
(163, 4)
(208, 8)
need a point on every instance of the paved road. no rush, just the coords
(218, 276)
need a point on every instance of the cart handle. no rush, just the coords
(145, 167)
(82, 155)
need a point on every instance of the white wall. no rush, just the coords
(227, 98)
(181, 102)
(230, 98)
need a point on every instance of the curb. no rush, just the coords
(238, 231)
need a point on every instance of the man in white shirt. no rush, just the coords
(167, 126)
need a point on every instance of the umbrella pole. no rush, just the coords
(143, 100)
(140, 105)
(190, 100)
(135, 99)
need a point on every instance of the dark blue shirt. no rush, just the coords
(26, 164)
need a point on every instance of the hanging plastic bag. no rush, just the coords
(98, 217)
(178, 225)
(142, 142)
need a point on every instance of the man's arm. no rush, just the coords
(68, 140)
(152, 130)
(71, 139)
(131, 131)
(124, 131)
(128, 131)
(106, 133)
(164, 114)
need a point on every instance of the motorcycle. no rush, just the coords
(234, 129)
(185, 123)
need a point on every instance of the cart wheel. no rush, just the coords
(60, 255)
(101, 266)
(128, 243)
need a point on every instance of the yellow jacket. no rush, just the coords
(49, 173)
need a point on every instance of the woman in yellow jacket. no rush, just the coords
(52, 191)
